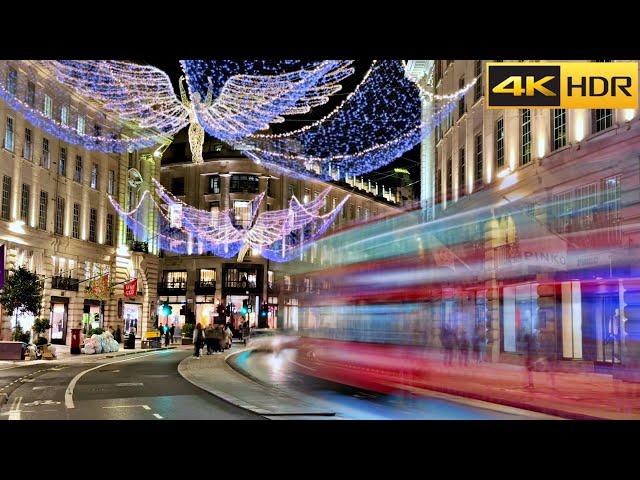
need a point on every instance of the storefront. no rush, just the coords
(176, 315)
(206, 310)
(519, 316)
(58, 320)
(91, 315)
(132, 317)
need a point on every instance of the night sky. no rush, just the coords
(410, 160)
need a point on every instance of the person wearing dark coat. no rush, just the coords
(117, 336)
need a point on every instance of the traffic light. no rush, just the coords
(166, 309)
(264, 310)
(245, 307)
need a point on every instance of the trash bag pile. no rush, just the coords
(103, 343)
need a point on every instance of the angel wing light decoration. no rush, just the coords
(234, 102)
(278, 235)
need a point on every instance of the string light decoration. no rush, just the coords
(236, 101)
(120, 139)
(278, 235)
(376, 123)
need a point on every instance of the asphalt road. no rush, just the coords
(352, 403)
(142, 387)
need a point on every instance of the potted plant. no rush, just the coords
(40, 326)
(22, 293)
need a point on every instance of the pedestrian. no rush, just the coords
(528, 361)
(117, 336)
(198, 337)
(166, 336)
(463, 346)
(446, 337)
(161, 330)
(229, 335)
(172, 332)
(220, 337)
(209, 338)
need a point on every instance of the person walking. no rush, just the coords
(209, 338)
(172, 332)
(220, 337)
(198, 337)
(161, 331)
(229, 334)
(166, 336)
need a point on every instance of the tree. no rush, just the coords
(22, 293)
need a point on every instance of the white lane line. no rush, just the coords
(42, 387)
(157, 415)
(68, 396)
(146, 407)
(129, 384)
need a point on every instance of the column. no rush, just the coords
(225, 178)
(427, 159)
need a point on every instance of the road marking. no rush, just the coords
(130, 384)
(14, 413)
(146, 407)
(157, 415)
(26, 380)
(42, 402)
(41, 387)
(68, 396)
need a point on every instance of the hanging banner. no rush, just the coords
(131, 288)
(1, 267)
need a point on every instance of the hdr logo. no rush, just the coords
(562, 84)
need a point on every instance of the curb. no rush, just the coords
(4, 398)
(236, 402)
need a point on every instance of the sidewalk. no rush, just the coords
(63, 355)
(213, 374)
(576, 395)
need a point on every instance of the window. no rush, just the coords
(75, 230)
(27, 147)
(12, 81)
(525, 136)
(177, 186)
(62, 162)
(478, 163)
(93, 220)
(307, 195)
(80, 125)
(109, 235)
(462, 169)
(59, 220)
(44, 207)
(562, 205)
(207, 275)
(242, 212)
(449, 185)
(477, 88)
(64, 115)
(45, 161)
(47, 106)
(244, 183)
(461, 105)
(438, 189)
(602, 118)
(8, 135)
(77, 175)
(130, 159)
(559, 127)
(520, 312)
(94, 176)
(31, 94)
(111, 183)
(499, 135)
(291, 190)
(610, 191)
(6, 197)
(214, 184)
(586, 201)
(175, 279)
(25, 199)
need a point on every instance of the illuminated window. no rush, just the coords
(462, 162)
(461, 104)
(208, 275)
(47, 106)
(244, 183)
(214, 208)
(214, 184)
(12, 81)
(477, 71)
(559, 127)
(44, 207)
(499, 141)
(602, 118)
(94, 176)
(525, 136)
(27, 147)
(307, 195)
(242, 211)
(478, 163)
(93, 221)
(45, 161)
(111, 183)
(109, 233)
(77, 175)
(80, 125)
(75, 226)
(59, 220)
(62, 162)
(64, 115)
(25, 199)
(8, 135)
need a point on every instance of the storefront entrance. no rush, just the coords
(132, 316)
(92, 315)
(58, 320)
(602, 323)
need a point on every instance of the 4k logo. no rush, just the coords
(562, 84)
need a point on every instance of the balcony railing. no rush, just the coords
(65, 283)
(206, 287)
